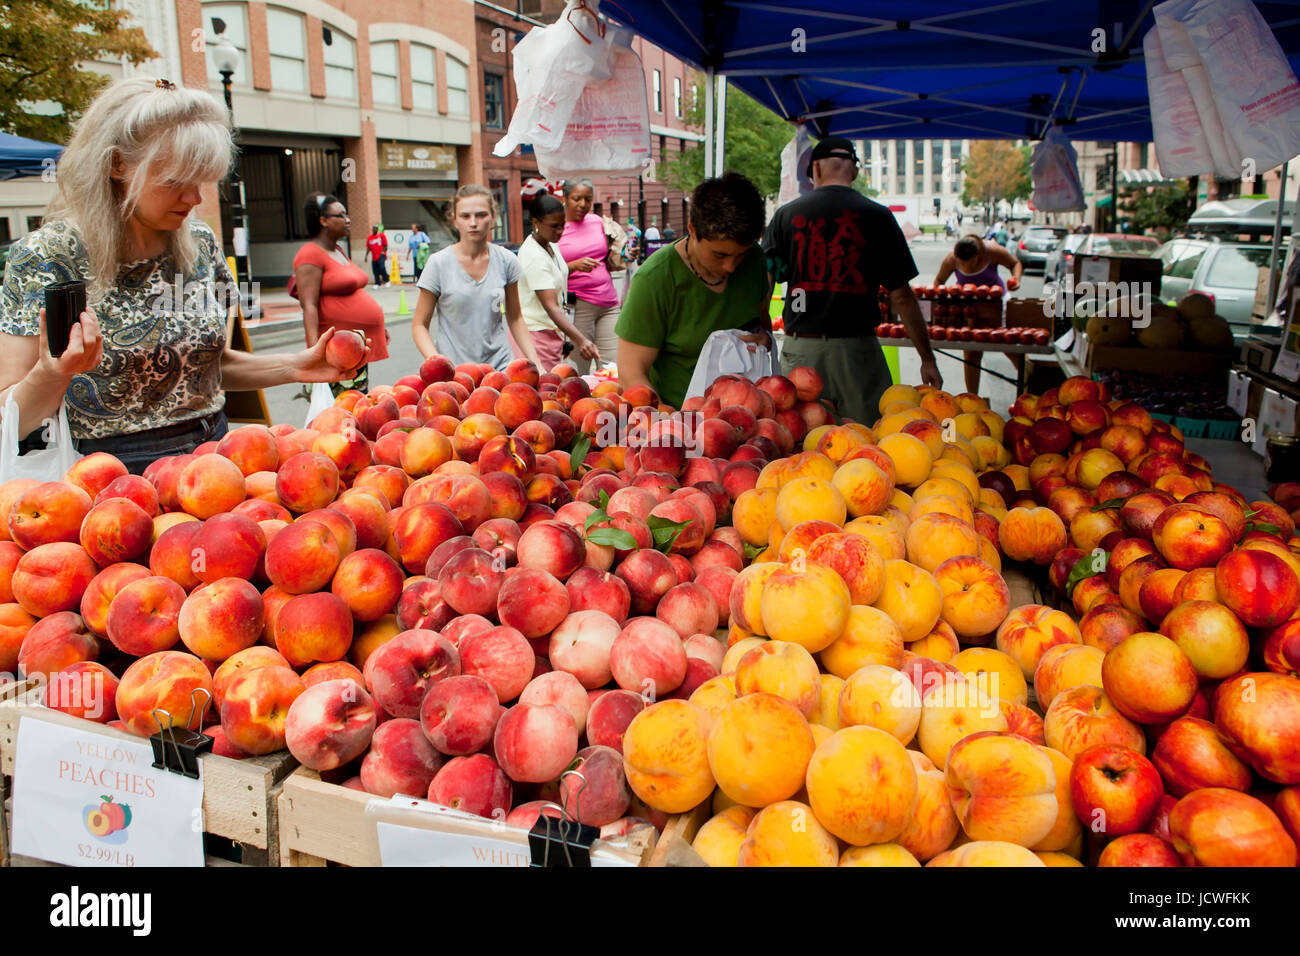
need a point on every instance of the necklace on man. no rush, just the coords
(690, 265)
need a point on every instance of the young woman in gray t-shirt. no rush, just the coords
(466, 285)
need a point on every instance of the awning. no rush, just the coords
(20, 156)
(1144, 177)
(1103, 201)
(943, 69)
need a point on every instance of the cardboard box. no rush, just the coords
(1131, 270)
(1129, 358)
(1027, 313)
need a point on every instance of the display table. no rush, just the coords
(948, 348)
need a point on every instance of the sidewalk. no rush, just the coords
(281, 320)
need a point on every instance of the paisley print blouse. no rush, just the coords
(163, 333)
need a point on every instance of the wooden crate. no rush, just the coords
(239, 796)
(323, 823)
(674, 846)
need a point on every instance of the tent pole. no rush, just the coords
(708, 122)
(1277, 238)
(720, 125)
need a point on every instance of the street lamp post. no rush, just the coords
(226, 58)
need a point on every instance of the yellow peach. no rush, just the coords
(753, 515)
(881, 533)
(1002, 788)
(731, 660)
(827, 712)
(912, 598)
(809, 607)
(881, 697)
(665, 756)
(862, 785)
(809, 499)
(954, 706)
(1002, 674)
(869, 637)
(718, 840)
(783, 669)
(912, 459)
(1067, 830)
(933, 825)
(788, 834)
(987, 853)
(714, 694)
(759, 748)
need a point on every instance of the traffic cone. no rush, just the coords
(395, 276)
(402, 308)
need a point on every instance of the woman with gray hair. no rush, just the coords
(586, 249)
(145, 366)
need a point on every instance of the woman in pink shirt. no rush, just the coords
(585, 247)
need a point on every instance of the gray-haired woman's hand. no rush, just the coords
(85, 347)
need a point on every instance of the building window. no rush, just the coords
(383, 74)
(659, 92)
(457, 88)
(234, 22)
(424, 78)
(340, 65)
(677, 96)
(494, 101)
(286, 34)
(500, 228)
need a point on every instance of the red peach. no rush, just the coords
(86, 689)
(594, 590)
(330, 724)
(302, 558)
(227, 546)
(55, 642)
(144, 617)
(532, 601)
(401, 671)
(166, 681)
(369, 582)
(459, 714)
(134, 488)
(95, 472)
(255, 707)
(223, 618)
(47, 513)
(648, 655)
(648, 575)
(401, 760)
(307, 481)
(103, 588)
(534, 743)
(473, 784)
(502, 657)
(313, 627)
(609, 716)
(172, 555)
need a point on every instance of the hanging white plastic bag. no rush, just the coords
(1055, 168)
(1181, 146)
(794, 168)
(608, 132)
(552, 66)
(321, 399)
(1248, 78)
(726, 353)
(48, 464)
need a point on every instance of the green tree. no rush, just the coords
(995, 170)
(43, 44)
(1161, 209)
(755, 137)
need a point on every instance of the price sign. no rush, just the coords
(85, 798)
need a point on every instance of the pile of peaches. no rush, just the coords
(1188, 598)
(940, 333)
(1151, 732)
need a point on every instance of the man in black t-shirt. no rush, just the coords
(834, 248)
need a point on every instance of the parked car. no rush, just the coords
(1036, 243)
(1225, 271)
(1057, 262)
(1106, 244)
(1240, 220)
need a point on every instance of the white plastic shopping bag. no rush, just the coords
(794, 168)
(1253, 85)
(1246, 96)
(48, 464)
(321, 399)
(1055, 168)
(1181, 147)
(608, 132)
(552, 66)
(725, 353)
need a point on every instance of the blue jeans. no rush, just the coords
(138, 450)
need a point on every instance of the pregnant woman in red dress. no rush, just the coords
(332, 288)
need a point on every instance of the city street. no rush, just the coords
(404, 359)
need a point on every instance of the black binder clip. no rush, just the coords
(564, 841)
(177, 751)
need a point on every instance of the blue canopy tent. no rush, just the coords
(25, 157)
(939, 69)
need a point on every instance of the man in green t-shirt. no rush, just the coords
(712, 279)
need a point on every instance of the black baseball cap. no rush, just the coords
(832, 146)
